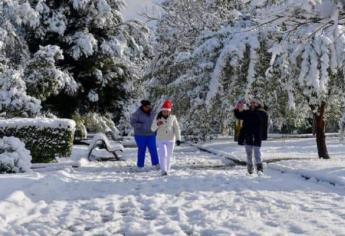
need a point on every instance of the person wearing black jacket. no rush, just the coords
(253, 132)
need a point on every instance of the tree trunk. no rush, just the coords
(320, 125)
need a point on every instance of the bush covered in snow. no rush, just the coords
(14, 100)
(95, 123)
(44, 137)
(14, 157)
(80, 128)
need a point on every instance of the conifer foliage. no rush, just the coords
(82, 53)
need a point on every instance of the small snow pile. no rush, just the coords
(14, 157)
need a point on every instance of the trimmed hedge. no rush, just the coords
(45, 138)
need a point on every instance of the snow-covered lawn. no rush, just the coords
(331, 171)
(279, 148)
(204, 195)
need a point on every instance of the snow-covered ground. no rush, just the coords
(292, 155)
(278, 148)
(331, 171)
(204, 195)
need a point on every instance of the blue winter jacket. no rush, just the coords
(142, 122)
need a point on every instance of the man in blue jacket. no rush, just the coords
(141, 120)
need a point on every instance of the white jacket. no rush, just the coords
(169, 131)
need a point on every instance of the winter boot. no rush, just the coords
(259, 168)
(250, 169)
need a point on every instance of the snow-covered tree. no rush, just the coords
(84, 53)
(174, 72)
(289, 53)
(13, 48)
(310, 55)
(13, 98)
(205, 62)
(3, 59)
(43, 79)
(178, 29)
(342, 127)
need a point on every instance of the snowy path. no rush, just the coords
(201, 197)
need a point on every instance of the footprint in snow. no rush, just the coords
(172, 210)
(149, 216)
(124, 211)
(88, 228)
(296, 229)
(106, 218)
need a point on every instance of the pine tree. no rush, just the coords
(43, 78)
(91, 55)
(14, 100)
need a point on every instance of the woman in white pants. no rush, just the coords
(168, 132)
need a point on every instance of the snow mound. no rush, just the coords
(14, 157)
(15, 206)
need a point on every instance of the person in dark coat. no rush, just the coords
(253, 131)
(141, 121)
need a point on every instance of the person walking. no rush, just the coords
(253, 131)
(168, 132)
(141, 121)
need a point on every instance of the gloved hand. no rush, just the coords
(178, 142)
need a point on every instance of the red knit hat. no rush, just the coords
(167, 106)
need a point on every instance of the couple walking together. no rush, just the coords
(154, 131)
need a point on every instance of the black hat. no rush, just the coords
(145, 103)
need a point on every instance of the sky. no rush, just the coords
(135, 7)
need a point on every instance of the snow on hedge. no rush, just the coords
(37, 123)
(14, 157)
(45, 138)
